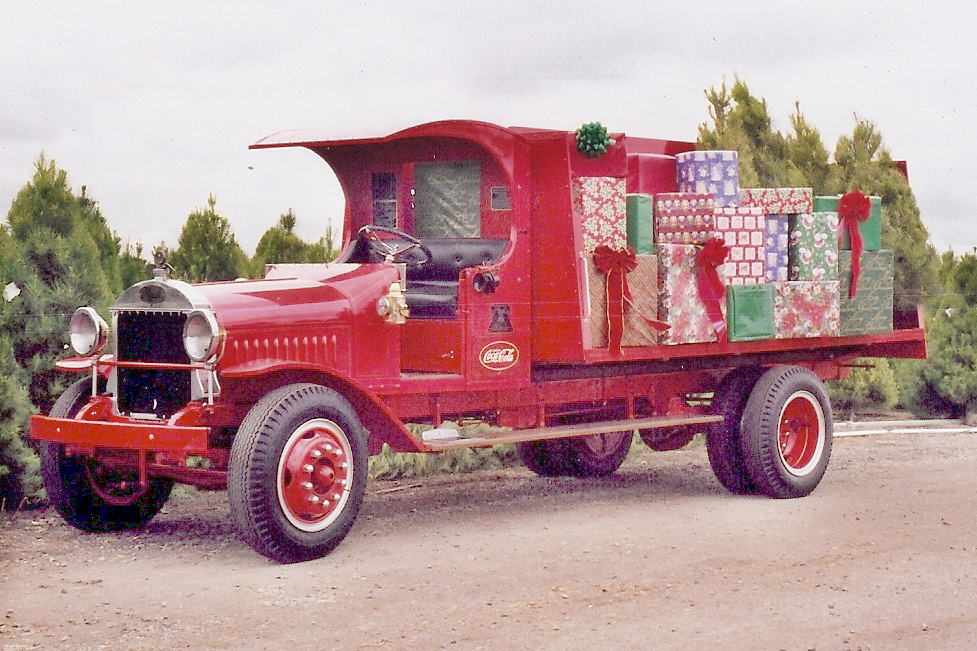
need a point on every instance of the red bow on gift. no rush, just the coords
(712, 291)
(853, 208)
(616, 264)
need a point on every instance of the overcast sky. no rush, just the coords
(152, 105)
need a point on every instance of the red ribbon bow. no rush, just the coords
(616, 264)
(853, 208)
(712, 291)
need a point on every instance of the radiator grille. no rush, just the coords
(152, 337)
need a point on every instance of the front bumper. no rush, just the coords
(91, 434)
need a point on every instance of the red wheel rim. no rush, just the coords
(801, 433)
(315, 475)
(603, 445)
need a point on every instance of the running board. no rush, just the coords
(567, 431)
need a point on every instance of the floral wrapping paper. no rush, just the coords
(776, 241)
(600, 202)
(743, 230)
(684, 218)
(807, 309)
(778, 201)
(679, 304)
(710, 172)
(643, 283)
(813, 246)
(871, 309)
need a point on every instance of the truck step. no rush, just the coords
(567, 431)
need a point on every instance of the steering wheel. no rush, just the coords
(388, 248)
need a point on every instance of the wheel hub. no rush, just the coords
(801, 433)
(314, 475)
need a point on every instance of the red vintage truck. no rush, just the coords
(464, 291)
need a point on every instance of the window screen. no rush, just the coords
(447, 202)
(385, 199)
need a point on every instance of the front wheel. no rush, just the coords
(298, 473)
(90, 495)
(787, 432)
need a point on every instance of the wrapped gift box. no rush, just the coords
(776, 242)
(749, 312)
(600, 203)
(679, 304)
(807, 309)
(870, 229)
(813, 247)
(710, 172)
(871, 309)
(643, 283)
(742, 229)
(778, 201)
(641, 223)
(684, 218)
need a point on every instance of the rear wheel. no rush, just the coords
(599, 455)
(298, 473)
(546, 458)
(95, 496)
(787, 432)
(723, 437)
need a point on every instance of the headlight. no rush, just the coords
(88, 331)
(201, 336)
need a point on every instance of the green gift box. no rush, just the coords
(870, 229)
(871, 309)
(641, 223)
(749, 312)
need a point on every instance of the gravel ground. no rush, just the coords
(882, 556)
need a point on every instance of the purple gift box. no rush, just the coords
(710, 172)
(776, 245)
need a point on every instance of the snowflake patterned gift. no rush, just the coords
(679, 302)
(807, 309)
(778, 201)
(600, 203)
(710, 172)
(813, 247)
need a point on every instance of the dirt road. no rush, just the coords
(882, 556)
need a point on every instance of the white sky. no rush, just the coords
(152, 104)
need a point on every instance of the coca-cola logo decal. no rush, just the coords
(499, 355)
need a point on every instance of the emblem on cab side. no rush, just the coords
(499, 356)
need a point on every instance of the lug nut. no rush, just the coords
(325, 504)
(328, 448)
(336, 496)
(344, 465)
(308, 486)
(314, 499)
(342, 482)
(316, 454)
(308, 467)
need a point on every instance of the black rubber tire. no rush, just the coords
(794, 395)
(667, 439)
(723, 437)
(599, 455)
(69, 489)
(255, 491)
(547, 458)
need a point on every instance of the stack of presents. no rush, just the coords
(716, 262)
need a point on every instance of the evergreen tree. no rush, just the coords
(279, 244)
(208, 250)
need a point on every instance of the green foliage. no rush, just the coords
(19, 465)
(406, 465)
(946, 383)
(208, 250)
(280, 244)
(871, 385)
(132, 266)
